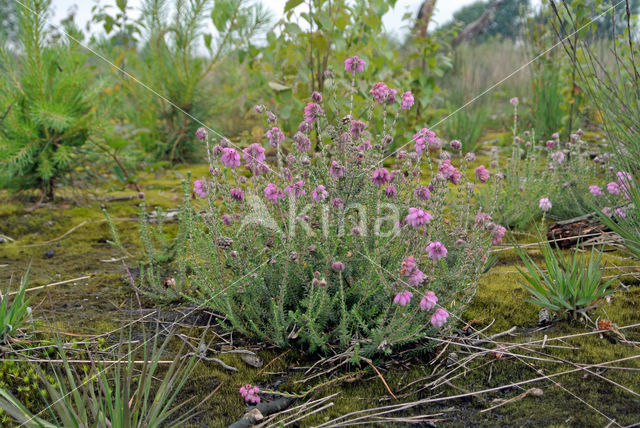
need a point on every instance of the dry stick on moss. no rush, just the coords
(272, 361)
(397, 407)
(304, 407)
(52, 284)
(380, 376)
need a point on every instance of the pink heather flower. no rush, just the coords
(272, 193)
(415, 278)
(337, 202)
(408, 266)
(354, 64)
(498, 234)
(555, 136)
(200, 188)
(390, 191)
(305, 127)
(237, 194)
(422, 193)
(613, 188)
(579, 132)
(456, 177)
(381, 176)
(482, 174)
(302, 142)
(391, 96)
(226, 219)
(319, 194)
(606, 211)
(296, 189)
(316, 96)
(337, 266)
(545, 204)
(403, 298)
(230, 157)
(482, 218)
(455, 144)
(595, 190)
(620, 213)
(550, 144)
(250, 394)
(258, 109)
(407, 100)
(275, 136)
(624, 182)
(201, 134)
(558, 157)
(418, 217)
(420, 145)
(357, 126)
(380, 92)
(312, 112)
(429, 301)
(436, 250)
(337, 170)
(364, 146)
(514, 101)
(470, 157)
(439, 318)
(254, 157)
(446, 169)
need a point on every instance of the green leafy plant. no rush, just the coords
(14, 310)
(121, 394)
(50, 94)
(570, 284)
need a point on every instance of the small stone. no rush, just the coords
(49, 254)
(452, 359)
(252, 360)
(255, 414)
(544, 317)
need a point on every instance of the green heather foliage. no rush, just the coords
(125, 394)
(293, 266)
(14, 310)
(571, 284)
(48, 95)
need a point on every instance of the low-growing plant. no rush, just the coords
(569, 284)
(318, 245)
(121, 394)
(14, 310)
(556, 171)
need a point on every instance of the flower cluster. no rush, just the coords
(293, 240)
(250, 394)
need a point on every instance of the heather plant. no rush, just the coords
(311, 241)
(558, 171)
(568, 284)
(49, 94)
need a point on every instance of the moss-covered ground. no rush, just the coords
(68, 239)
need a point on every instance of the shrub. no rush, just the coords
(50, 96)
(571, 284)
(323, 247)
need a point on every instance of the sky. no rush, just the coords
(392, 20)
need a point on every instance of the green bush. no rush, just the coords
(50, 96)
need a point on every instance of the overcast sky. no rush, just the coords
(392, 20)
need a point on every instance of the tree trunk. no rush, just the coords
(477, 26)
(424, 16)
